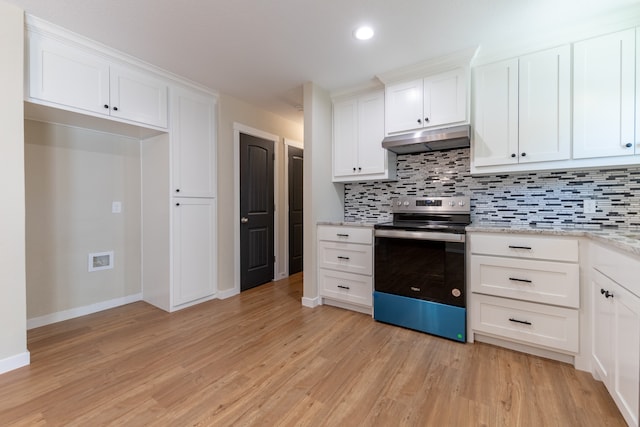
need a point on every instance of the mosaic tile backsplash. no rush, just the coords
(542, 198)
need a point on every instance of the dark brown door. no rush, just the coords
(256, 211)
(295, 209)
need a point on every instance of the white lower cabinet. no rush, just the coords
(345, 266)
(615, 329)
(519, 295)
(193, 249)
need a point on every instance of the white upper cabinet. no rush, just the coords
(522, 110)
(495, 126)
(77, 79)
(193, 143)
(358, 130)
(433, 101)
(544, 105)
(604, 96)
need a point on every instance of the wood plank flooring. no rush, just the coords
(260, 358)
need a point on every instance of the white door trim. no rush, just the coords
(239, 128)
(287, 143)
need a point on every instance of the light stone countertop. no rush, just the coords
(626, 239)
(347, 223)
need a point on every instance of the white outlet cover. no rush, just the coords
(116, 207)
(589, 206)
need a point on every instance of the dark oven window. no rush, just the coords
(423, 269)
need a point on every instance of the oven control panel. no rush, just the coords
(455, 204)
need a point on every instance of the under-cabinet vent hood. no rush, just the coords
(428, 140)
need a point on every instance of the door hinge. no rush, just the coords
(274, 258)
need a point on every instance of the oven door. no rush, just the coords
(421, 264)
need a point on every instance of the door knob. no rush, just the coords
(244, 220)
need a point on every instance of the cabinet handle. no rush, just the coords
(523, 154)
(520, 247)
(628, 145)
(343, 287)
(606, 294)
(354, 169)
(520, 280)
(419, 121)
(426, 119)
(177, 204)
(177, 190)
(524, 322)
(343, 257)
(342, 235)
(359, 169)
(513, 154)
(115, 108)
(106, 106)
(414, 289)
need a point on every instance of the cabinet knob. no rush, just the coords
(628, 145)
(354, 169)
(513, 155)
(419, 121)
(106, 106)
(426, 119)
(606, 294)
(359, 169)
(115, 108)
(177, 204)
(177, 190)
(523, 154)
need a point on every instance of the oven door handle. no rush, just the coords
(421, 235)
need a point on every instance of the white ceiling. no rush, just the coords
(262, 51)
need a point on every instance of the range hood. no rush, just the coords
(429, 140)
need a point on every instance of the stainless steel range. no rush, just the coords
(419, 278)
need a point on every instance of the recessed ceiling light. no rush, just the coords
(363, 33)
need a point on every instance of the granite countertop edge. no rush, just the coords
(627, 240)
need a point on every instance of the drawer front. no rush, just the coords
(537, 281)
(348, 257)
(524, 246)
(531, 323)
(362, 235)
(346, 287)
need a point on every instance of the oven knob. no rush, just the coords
(461, 203)
(452, 203)
(406, 203)
(399, 202)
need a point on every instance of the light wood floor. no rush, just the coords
(260, 358)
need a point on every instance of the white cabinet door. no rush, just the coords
(372, 158)
(604, 96)
(616, 343)
(193, 249)
(193, 144)
(545, 106)
(445, 98)
(601, 327)
(404, 106)
(345, 138)
(67, 76)
(138, 97)
(495, 139)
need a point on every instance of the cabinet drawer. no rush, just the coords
(538, 281)
(539, 324)
(346, 287)
(525, 246)
(348, 257)
(363, 235)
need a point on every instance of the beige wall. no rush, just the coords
(235, 111)
(13, 337)
(72, 177)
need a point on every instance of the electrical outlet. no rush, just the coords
(116, 207)
(590, 206)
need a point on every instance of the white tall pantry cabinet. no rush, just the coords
(179, 205)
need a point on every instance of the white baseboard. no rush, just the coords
(59, 316)
(14, 362)
(311, 302)
(228, 293)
